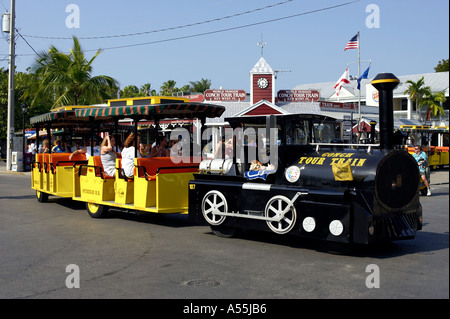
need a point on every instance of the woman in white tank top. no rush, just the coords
(108, 156)
(128, 155)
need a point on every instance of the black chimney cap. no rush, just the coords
(385, 81)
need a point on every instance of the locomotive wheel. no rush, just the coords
(41, 197)
(214, 202)
(281, 208)
(96, 210)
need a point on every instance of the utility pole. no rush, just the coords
(10, 126)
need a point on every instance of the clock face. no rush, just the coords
(263, 83)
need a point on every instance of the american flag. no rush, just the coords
(352, 44)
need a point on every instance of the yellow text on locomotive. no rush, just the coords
(336, 158)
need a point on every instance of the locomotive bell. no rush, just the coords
(385, 83)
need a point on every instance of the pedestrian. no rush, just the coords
(422, 160)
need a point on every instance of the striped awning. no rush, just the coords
(51, 116)
(421, 130)
(173, 110)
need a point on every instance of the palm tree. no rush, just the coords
(145, 89)
(200, 86)
(67, 78)
(130, 91)
(167, 88)
(185, 88)
(433, 102)
(416, 91)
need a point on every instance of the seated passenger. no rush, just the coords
(65, 148)
(160, 150)
(174, 147)
(86, 150)
(128, 155)
(45, 146)
(228, 148)
(57, 146)
(144, 149)
(108, 156)
(97, 150)
(258, 170)
(258, 166)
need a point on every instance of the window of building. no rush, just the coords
(404, 105)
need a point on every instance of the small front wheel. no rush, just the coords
(96, 210)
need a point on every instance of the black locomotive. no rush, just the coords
(313, 186)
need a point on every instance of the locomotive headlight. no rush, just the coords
(336, 227)
(309, 224)
(397, 182)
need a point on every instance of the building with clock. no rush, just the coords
(260, 100)
(262, 82)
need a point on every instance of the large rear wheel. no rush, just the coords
(96, 210)
(282, 214)
(41, 197)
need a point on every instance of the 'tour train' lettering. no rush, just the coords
(312, 160)
(336, 158)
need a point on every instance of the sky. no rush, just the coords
(156, 41)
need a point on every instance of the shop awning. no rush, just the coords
(52, 116)
(422, 129)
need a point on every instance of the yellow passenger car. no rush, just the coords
(158, 185)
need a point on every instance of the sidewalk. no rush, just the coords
(4, 171)
(439, 176)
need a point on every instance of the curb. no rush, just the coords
(14, 173)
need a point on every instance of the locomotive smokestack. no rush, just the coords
(385, 83)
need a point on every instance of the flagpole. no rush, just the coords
(359, 91)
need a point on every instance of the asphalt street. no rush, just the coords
(45, 247)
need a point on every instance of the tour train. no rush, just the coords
(288, 174)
